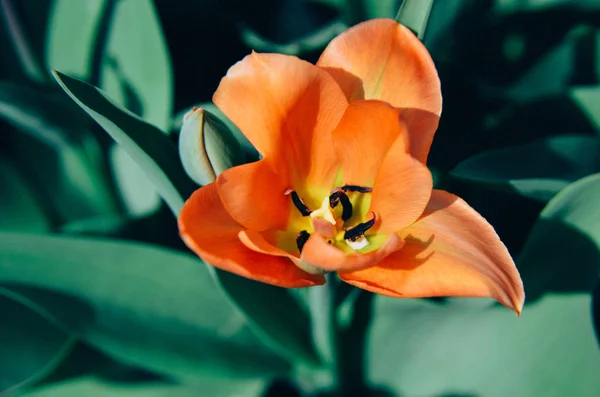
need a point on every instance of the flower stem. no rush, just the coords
(350, 341)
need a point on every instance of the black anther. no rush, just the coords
(355, 232)
(356, 188)
(301, 239)
(299, 203)
(339, 196)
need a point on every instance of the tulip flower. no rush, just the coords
(343, 185)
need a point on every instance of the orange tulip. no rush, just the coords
(342, 185)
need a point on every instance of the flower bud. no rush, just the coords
(206, 146)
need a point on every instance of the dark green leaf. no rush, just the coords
(150, 307)
(414, 14)
(314, 41)
(417, 348)
(274, 315)
(95, 387)
(596, 309)
(18, 209)
(562, 253)
(31, 343)
(536, 170)
(147, 145)
(63, 160)
(587, 99)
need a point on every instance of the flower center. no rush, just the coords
(333, 219)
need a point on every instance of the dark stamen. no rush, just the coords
(339, 196)
(299, 203)
(301, 239)
(355, 232)
(356, 188)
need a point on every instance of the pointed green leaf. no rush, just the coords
(536, 170)
(147, 145)
(150, 307)
(31, 343)
(414, 14)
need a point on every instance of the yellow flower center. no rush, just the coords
(341, 219)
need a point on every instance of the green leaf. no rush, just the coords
(596, 309)
(64, 157)
(513, 6)
(536, 170)
(417, 348)
(380, 8)
(562, 253)
(138, 192)
(69, 19)
(414, 14)
(316, 40)
(146, 306)
(281, 324)
(18, 209)
(136, 67)
(147, 145)
(95, 387)
(587, 99)
(24, 49)
(31, 343)
(121, 46)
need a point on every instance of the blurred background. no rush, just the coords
(99, 297)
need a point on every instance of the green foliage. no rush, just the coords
(559, 160)
(99, 296)
(31, 343)
(173, 320)
(565, 242)
(147, 145)
(422, 349)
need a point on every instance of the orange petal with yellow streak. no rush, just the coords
(381, 59)
(209, 231)
(450, 251)
(287, 109)
(254, 195)
(318, 253)
(363, 137)
(401, 190)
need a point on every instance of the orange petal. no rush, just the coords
(209, 231)
(401, 190)
(287, 108)
(450, 251)
(254, 195)
(257, 242)
(364, 136)
(320, 254)
(381, 59)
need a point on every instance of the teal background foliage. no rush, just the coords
(99, 297)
